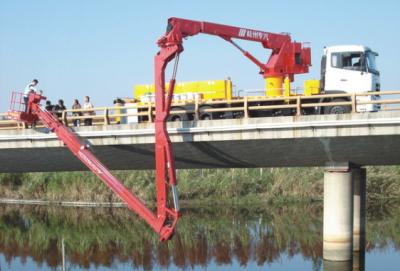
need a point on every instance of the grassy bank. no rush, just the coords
(207, 185)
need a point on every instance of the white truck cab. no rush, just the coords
(351, 69)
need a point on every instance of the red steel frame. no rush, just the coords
(163, 223)
(16, 101)
(287, 58)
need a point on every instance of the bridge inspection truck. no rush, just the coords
(345, 69)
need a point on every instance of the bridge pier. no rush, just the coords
(338, 214)
(359, 207)
(357, 263)
(359, 260)
(344, 211)
(338, 266)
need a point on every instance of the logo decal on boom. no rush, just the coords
(247, 33)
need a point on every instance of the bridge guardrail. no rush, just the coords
(112, 114)
(6, 124)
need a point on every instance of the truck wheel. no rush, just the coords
(308, 111)
(238, 115)
(180, 117)
(337, 109)
(206, 115)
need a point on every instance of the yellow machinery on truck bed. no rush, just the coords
(202, 90)
(213, 98)
(215, 90)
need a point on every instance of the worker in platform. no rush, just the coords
(30, 88)
(88, 105)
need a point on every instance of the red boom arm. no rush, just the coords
(287, 58)
(163, 223)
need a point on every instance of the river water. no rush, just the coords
(207, 238)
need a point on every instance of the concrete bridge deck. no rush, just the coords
(362, 139)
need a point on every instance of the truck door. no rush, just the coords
(346, 72)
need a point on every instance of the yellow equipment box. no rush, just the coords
(311, 87)
(206, 90)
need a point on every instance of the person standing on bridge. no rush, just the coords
(31, 87)
(88, 105)
(59, 108)
(76, 105)
(49, 107)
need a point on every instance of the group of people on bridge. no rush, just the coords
(57, 109)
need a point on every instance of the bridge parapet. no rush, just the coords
(243, 106)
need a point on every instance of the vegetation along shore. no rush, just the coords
(273, 185)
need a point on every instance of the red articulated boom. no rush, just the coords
(163, 223)
(287, 58)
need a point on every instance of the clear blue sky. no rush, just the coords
(102, 48)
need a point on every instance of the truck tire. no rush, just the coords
(206, 115)
(337, 109)
(178, 117)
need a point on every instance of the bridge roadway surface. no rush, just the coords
(362, 139)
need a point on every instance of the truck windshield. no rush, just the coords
(348, 61)
(371, 62)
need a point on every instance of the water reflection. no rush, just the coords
(357, 263)
(338, 266)
(205, 238)
(359, 260)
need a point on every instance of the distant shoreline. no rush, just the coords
(272, 186)
(62, 203)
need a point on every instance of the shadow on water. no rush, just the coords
(206, 237)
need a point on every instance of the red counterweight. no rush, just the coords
(165, 220)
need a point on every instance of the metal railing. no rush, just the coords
(244, 105)
(6, 123)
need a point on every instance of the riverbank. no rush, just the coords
(227, 186)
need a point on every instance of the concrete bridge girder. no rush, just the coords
(364, 139)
